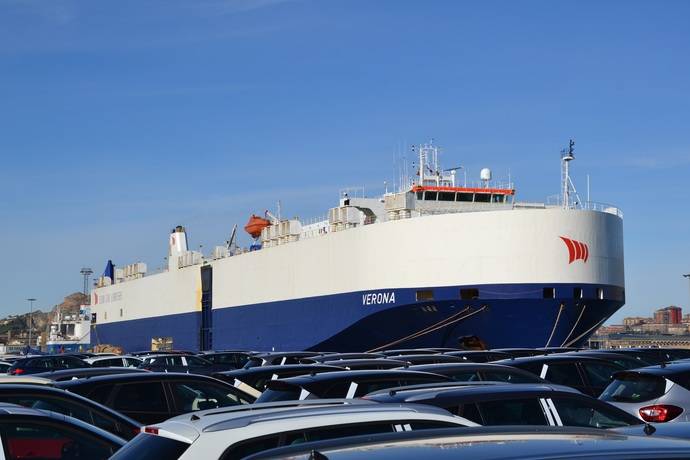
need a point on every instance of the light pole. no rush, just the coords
(687, 275)
(31, 314)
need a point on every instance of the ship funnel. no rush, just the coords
(178, 240)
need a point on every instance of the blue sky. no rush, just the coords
(122, 119)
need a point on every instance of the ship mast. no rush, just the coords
(567, 186)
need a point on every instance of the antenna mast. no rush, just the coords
(86, 273)
(568, 155)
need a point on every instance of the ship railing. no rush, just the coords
(602, 207)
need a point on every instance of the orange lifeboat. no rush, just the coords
(255, 225)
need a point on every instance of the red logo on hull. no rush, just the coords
(577, 250)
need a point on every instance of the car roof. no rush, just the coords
(12, 379)
(89, 372)
(280, 368)
(463, 366)
(354, 374)
(669, 368)
(213, 420)
(494, 442)
(135, 377)
(498, 390)
(551, 358)
(343, 363)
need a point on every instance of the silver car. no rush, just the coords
(654, 394)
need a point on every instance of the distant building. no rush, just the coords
(669, 315)
(634, 321)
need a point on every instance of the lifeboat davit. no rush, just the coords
(255, 225)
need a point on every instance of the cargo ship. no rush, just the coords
(430, 264)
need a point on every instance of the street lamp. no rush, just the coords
(687, 275)
(31, 315)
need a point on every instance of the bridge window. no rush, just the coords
(469, 294)
(425, 295)
(420, 195)
(446, 196)
(498, 198)
(549, 293)
(466, 197)
(430, 196)
(482, 198)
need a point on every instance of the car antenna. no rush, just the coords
(649, 429)
(194, 417)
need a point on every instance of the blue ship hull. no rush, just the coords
(504, 315)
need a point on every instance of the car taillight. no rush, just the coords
(150, 429)
(16, 371)
(660, 413)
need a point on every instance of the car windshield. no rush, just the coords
(634, 388)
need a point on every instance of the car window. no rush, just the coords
(136, 397)
(507, 376)
(192, 396)
(576, 412)
(633, 388)
(170, 361)
(470, 411)
(599, 374)
(101, 363)
(132, 362)
(47, 441)
(150, 447)
(99, 394)
(564, 374)
(194, 361)
(51, 403)
(69, 362)
(512, 412)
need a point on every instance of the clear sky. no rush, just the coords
(120, 120)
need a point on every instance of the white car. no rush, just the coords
(231, 433)
(114, 361)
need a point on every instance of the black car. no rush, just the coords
(152, 397)
(519, 352)
(228, 360)
(655, 356)
(45, 363)
(427, 358)
(253, 380)
(339, 357)
(416, 351)
(64, 402)
(479, 356)
(86, 372)
(344, 384)
(179, 363)
(35, 434)
(469, 372)
(279, 358)
(516, 404)
(626, 360)
(363, 364)
(587, 374)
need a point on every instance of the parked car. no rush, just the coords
(344, 384)
(114, 361)
(363, 364)
(519, 352)
(340, 356)
(427, 358)
(479, 356)
(86, 372)
(35, 434)
(415, 351)
(479, 372)
(487, 443)
(36, 364)
(278, 358)
(624, 360)
(515, 404)
(57, 400)
(152, 397)
(649, 356)
(654, 394)
(4, 366)
(228, 360)
(253, 380)
(178, 363)
(585, 373)
(236, 434)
